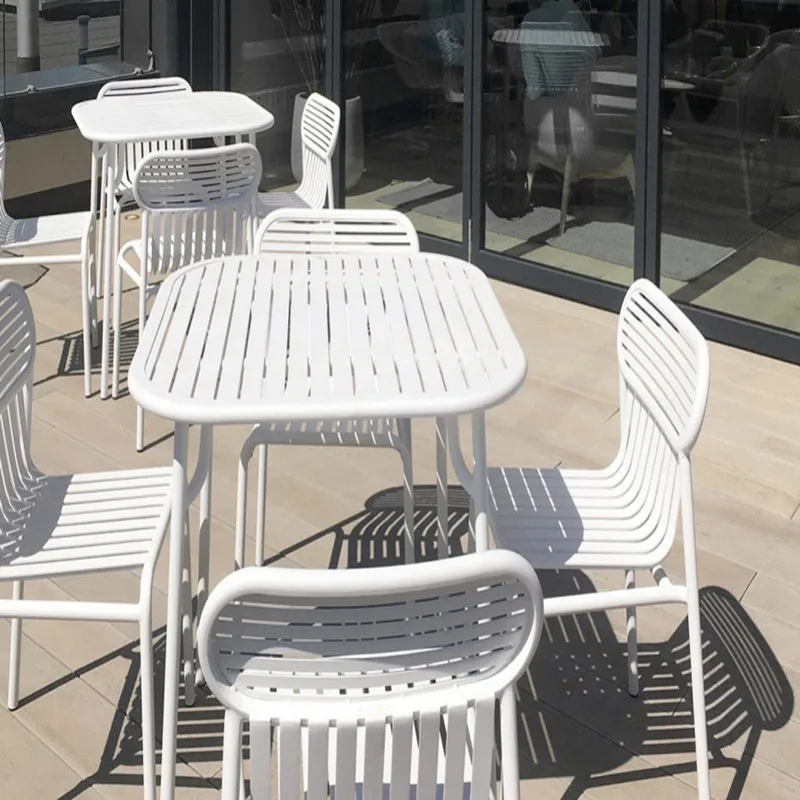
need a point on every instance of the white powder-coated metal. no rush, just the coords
(330, 232)
(285, 338)
(375, 682)
(626, 515)
(57, 525)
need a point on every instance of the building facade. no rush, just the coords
(569, 146)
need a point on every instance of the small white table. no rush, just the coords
(111, 123)
(250, 339)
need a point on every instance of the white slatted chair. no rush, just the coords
(329, 232)
(196, 204)
(625, 516)
(319, 131)
(133, 154)
(355, 674)
(60, 525)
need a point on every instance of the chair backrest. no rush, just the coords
(330, 657)
(134, 153)
(17, 356)
(319, 132)
(664, 381)
(197, 204)
(335, 231)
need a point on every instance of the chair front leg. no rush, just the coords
(15, 652)
(633, 646)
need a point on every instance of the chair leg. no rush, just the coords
(148, 701)
(232, 757)
(187, 620)
(117, 323)
(565, 192)
(261, 509)
(442, 500)
(89, 327)
(404, 431)
(142, 320)
(633, 645)
(698, 691)
(15, 653)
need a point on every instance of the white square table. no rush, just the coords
(111, 123)
(254, 339)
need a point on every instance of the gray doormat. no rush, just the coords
(611, 241)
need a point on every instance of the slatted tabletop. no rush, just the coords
(171, 115)
(248, 339)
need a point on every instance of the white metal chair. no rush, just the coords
(625, 516)
(52, 526)
(319, 131)
(196, 204)
(328, 232)
(372, 681)
(133, 154)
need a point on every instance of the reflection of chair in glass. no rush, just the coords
(625, 516)
(563, 131)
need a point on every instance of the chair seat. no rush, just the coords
(271, 201)
(34, 231)
(570, 518)
(381, 432)
(94, 522)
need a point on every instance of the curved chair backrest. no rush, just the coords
(197, 204)
(335, 231)
(319, 132)
(134, 153)
(17, 356)
(664, 381)
(335, 656)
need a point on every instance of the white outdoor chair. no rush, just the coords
(196, 205)
(319, 131)
(132, 154)
(625, 516)
(372, 682)
(54, 526)
(328, 232)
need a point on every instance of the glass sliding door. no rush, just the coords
(559, 100)
(731, 158)
(403, 65)
(276, 52)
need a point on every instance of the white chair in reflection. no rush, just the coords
(319, 132)
(625, 516)
(372, 683)
(329, 232)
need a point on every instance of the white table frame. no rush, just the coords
(112, 123)
(488, 358)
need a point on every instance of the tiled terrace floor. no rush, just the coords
(76, 733)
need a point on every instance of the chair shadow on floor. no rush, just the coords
(577, 723)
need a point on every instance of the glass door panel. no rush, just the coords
(404, 84)
(559, 133)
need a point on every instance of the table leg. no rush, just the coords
(109, 256)
(204, 546)
(479, 487)
(169, 737)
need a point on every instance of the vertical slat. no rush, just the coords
(290, 776)
(317, 762)
(260, 759)
(374, 756)
(346, 751)
(481, 729)
(455, 752)
(428, 761)
(402, 735)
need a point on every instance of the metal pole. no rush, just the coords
(28, 36)
(83, 37)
